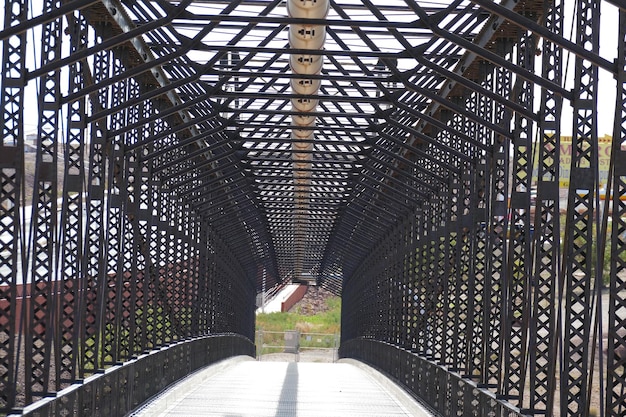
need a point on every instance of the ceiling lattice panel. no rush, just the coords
(290, 178)
(231, 61)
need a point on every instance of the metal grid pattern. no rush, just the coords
(165, 188)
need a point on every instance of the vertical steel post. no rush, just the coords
(42, 231)
(11, 182)
(93, 282)
(546, 240)
(497, 229)
(583, 191)
(616, 349)
(72, 212)
(519, 262)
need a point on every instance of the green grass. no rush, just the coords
(325, 322)
(273, 325)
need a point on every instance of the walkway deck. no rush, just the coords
(241, 387)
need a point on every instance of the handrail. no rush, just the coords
(122, 388)
(444, 392)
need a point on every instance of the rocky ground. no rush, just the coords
(313, 302)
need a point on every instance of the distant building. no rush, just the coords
(30, 143)
(565, 164)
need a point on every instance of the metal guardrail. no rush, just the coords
(122, 388)
(295, 342)
(444, 392)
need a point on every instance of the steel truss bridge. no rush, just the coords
(165, 161)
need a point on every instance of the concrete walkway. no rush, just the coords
(242, 387)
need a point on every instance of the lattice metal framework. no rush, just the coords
(150, 189)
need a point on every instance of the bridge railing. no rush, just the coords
(443, 392)
(320, 346)
(122, 388)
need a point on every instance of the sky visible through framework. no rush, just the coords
(606, 87)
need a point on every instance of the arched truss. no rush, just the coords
(163, 173)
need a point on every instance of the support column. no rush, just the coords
(543, 332)
(11, 186)
(579, 236)
(616, 358)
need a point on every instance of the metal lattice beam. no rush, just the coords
(163, 190)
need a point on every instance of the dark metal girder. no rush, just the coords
(393, 168)
(361, 205)
(284, 21)
(447, 103)
(277, 129)
(416, 166)
(136, 70)
(168, 167)
(242, 245)
(24, 25)
(169, 177)
(618, 3)
(285, 97)
(315, 153)
(147, 96)
(106, 43)
(177, 128)
(433, 121)
(288, 199)
(473, 86)
(528, 24)
(283, 51)
(293, 112)
(288, 215)
(230, 226)
(210, 146)
(276, 75)
(289, 141)
(374, 225)
(418, 151)
(350, 241)
(500, 61)
(281, 179)
(393, 202)
(318, 225)
(225, 183)
(238, 236)
(392, 179)
(360, 238)
(243, 200)
(399, 160)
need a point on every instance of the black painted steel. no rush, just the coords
(158, 192)
(124, 387)
(444, 393)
